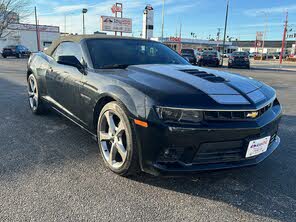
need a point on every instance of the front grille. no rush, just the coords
(235, 115)
(219, 152)
(204, 75)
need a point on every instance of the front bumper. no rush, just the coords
(171, 150)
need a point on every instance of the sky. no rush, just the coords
(202, 17)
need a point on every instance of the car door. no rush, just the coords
(52, 74)
(65, 81)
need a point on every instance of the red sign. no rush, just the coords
(116, 8)
(175, 39)
(258, 43)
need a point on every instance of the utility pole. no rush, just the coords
(284, 39)
(37, 30)
(225, 28)
(264, 36)
(180, 39)
(162, 25)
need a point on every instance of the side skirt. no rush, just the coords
(53, 105)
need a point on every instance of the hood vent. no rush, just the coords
(204, 75)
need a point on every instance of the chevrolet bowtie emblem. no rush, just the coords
(252, 115)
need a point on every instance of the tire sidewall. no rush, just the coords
(37, 110)
(119, 110)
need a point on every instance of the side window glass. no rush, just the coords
(68, 49)
(58, 52)
(72, 49)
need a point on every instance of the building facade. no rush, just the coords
(198, 44)
(269, 46)
(25, 34)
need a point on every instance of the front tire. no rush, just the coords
(116, 140)
(36, 104)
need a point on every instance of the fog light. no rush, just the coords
(171, 154)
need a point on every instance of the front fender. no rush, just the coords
(38, 64)
(132, 99)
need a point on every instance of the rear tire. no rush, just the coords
(116, 140)
(37, 106)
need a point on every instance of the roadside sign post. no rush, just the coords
(148, 22)
(84, 11)
(117, 9)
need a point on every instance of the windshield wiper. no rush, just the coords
(115, 66)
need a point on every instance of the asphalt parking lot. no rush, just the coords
(50, 169)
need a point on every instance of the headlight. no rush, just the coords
(179, 115)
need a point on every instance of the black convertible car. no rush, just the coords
(150, 110)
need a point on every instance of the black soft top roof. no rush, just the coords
(78, 38)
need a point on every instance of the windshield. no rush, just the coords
(118, 52)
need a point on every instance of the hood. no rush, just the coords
(185, 80)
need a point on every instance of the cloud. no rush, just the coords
(271, 10)
(270, 24)
(69, 8)
(61, 10)
(180, 8)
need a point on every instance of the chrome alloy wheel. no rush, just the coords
(33, 92)
(112, 136)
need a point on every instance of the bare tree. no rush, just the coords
(12, 11)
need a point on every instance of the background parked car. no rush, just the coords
(210, 58)
(265, 56)
(276, 55)
(189, 57)
(253, 54)
(18, 51)
(239, 59)
(192, 55)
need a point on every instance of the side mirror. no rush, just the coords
(71, 61)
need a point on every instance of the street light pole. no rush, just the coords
(84, 11)
(264, 37)
(65, 23)
(162, 25)
(284, 39)
(225, 28)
